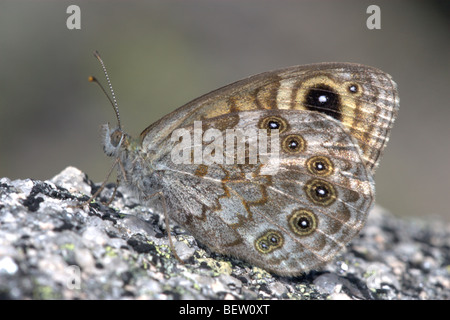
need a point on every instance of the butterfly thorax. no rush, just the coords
(135, 169)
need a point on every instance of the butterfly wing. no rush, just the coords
(363, 99)
(287, 221)
(334, 120)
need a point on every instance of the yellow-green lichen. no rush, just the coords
(68, 246)
(260, 274)
(217, 267)
(45, 293)
(369, 273)
(162, 250)
(110, 252)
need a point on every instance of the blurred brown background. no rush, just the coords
(162, 54)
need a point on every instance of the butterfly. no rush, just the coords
(329, 124)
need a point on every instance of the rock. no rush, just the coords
(73, 180)
(52, 249)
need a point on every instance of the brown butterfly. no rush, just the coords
(332, 121)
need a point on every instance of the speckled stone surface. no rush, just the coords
(51, 249)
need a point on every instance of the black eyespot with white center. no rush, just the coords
(273, 123)
(353, 88)
(320, 166)
(303, 222)
(320, 192)
(269, 241)
(273, 239)
(263, 245)
(293, 144)
(324, 99)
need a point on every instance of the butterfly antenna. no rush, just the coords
(113, 101)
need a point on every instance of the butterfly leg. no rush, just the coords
(166, 220)
(117, 161)
(114, 193)
(85, 203)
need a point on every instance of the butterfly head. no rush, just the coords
(114, 140)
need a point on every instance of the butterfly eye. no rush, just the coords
(323, 99)
(273, 123)
(302, 222)
(320, 166)
(320, 192)
(294, 143)
(115, 137)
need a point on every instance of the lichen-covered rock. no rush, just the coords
(52, 249)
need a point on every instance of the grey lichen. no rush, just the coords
(122, 251)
